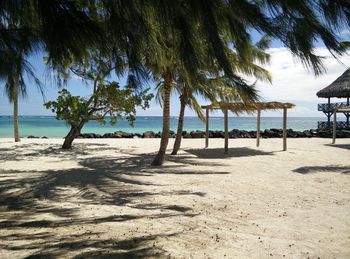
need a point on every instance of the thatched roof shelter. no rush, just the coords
(340, 88)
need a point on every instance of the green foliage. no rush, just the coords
(110, 103)
(72, 109)
(141, 30)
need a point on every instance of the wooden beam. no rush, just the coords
(284, 129)
(206, 127)
(226, 130)
(334, 126)
(258, 130)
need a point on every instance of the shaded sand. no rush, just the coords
(103, 199)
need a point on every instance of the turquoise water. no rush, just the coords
(50, 127)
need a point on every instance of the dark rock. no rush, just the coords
(187, 135)
(44, 137)
(324, 134)
(313, 132)
(172, 134)
(276, 130)
(197, 134)
(148, 134)
(217, 134)
(122, 134)
(117, 135)
(343, 134)
(271, 134)
(108, 135)
(235, 133)
(276, 133)
(292, 134)
(245, 134)
(252, 134)
(306, 134)
(31, 136)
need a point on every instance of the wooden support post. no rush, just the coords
(226, 129)
(284, 129)
(329, 114)
(258, 130)
(334, 126)
(206, 127)
(348, 114)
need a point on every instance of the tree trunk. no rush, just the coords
(180, 126)
(15, 112)
(159, 159)
(68, 140)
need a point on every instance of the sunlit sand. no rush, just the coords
(104, 199)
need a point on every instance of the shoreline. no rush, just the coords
(234, 133)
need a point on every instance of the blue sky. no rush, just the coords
(291, 83)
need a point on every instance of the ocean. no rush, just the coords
(52, 128)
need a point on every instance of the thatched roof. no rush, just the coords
(239, 107)
(339, 88)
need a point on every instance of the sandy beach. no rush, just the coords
(104, 199)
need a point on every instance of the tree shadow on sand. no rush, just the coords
(27, 197)
(343, 146)
(323, 169)
(91, 246)
(217, 153)
(25, 151)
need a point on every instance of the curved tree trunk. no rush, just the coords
(68, 140)
(180, 126)
(15, 112)
(159, 159)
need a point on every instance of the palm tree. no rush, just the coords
(209, 84)
(29, 26)
(15, 46)
(221, 87)
(165, 96)
(12, 70)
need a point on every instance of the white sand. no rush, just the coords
(103, 199)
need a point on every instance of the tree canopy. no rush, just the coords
(136, 29)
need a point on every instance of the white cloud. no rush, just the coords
(292, 82)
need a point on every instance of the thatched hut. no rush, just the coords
(340, 88)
